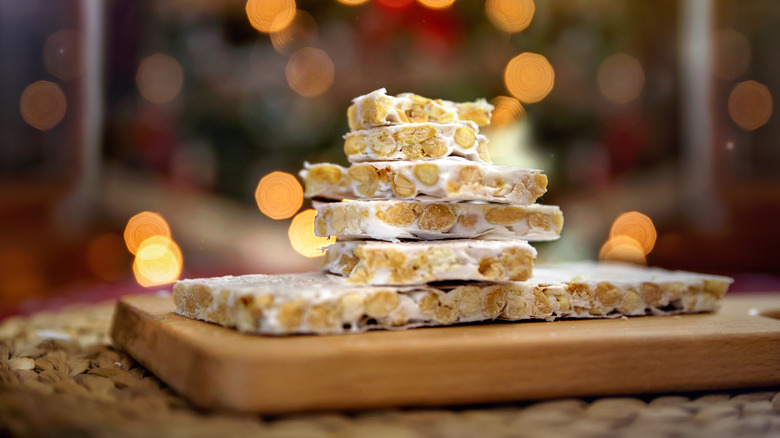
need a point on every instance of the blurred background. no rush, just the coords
(145, 141)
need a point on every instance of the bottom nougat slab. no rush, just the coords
(325, 304)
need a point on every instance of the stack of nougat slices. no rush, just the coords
(430, 233)
(419, 190)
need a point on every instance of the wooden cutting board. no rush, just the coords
(216, 367)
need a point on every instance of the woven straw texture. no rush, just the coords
(60, 376)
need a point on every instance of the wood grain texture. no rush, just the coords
(216, 367)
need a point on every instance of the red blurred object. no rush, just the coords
(438, 31)
(395, 4)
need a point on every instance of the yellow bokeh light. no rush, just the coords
(158, 261)
(750, 105)
(302, 237)
(621, 78)
(300, 32)
(510, 15)
(732, 54)
(436, 4)
(279, 195)
(623, 249)
(637, 226)
(310, 72)
(43, 105)
(62, 54)
(352, 2)
(106, 257)
(143, 226)
(159, 78)
(529, 77)
(507, 110)
(270, 15)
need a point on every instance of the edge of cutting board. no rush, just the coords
(216, 367)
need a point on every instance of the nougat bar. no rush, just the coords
(378, 109)
(392, 220)
(417, 141)
(444, 179)
(323, 303)
(611, 289)
(406, 263)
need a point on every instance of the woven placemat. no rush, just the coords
(60, 376)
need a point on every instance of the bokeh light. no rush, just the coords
(159, 78)
(622, 249)
(510, 15)
(352, 2)
(302, 238)
(310, 72)
(143, 226)
(637, 226)
(270, 15)
(732, 54)
(436, 4)
(106, 257)
(300, 33)
(750, 105)
(621, 78)
(158, 261)
(43, 105)
(62, 54)
(279, 195)
(507, 110)
(529, 77)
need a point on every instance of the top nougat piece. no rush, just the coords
(378, 109)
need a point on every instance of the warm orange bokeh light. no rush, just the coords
(270, 15)
(62, 54)
(43, 105)
(732, 54)
(279, 195)
(143, 226)
(436, 4)
(529, 77)
(621, 78)
(302, 238)
(310, 72)
(750, 105)
(159, 78)
(507, 110)
(301, 32)
(352, 2)
(637, 226)
(158, 261)
(510, 15)
(623, 249)
(106, 257)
